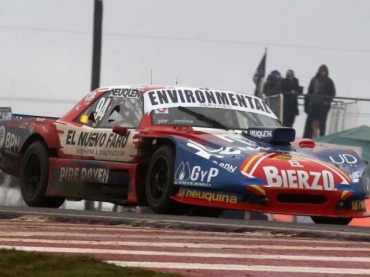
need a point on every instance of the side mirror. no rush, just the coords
(120, 130)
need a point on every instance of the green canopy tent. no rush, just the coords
(358, 137)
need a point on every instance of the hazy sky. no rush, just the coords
(46, 46)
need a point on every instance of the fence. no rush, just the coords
(343, 114)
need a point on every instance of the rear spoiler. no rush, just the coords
(6, 114)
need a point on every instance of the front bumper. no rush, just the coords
(286, 201)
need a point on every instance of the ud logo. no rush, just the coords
(343, 158)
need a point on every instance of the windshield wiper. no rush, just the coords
(204, 118)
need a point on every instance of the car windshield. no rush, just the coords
(230, 119)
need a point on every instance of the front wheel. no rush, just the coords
(331, 220)
(159, 185)
(34, 177)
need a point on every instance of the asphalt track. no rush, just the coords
(189, 245)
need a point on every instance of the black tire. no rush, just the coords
(34, 177)
(205, 211)
(159, 185)
(331, 220)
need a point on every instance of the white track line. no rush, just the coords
(185, 245)
(232, 267)
(166, 237)
(188, 254)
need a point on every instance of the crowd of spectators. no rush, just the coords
(317, 101)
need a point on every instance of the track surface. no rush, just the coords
(193, 223)
(190, 252)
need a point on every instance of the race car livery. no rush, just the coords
(178, 149)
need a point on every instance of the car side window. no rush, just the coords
(109, 110)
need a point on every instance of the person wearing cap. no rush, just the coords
(290, 88)
(272, 86)
(321, 92)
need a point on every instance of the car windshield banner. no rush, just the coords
(184, 97)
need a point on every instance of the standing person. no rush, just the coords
(317, 102)
(272, 86)
(290, 88)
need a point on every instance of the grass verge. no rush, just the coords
(15, 263)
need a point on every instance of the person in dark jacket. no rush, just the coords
(317, 102)
(272, 86)
(290, 88)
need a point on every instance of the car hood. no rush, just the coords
(276, 165)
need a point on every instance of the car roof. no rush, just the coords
(145, 88)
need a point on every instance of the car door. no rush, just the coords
(94, 162)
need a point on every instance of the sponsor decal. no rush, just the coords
(11, 141)
(124, 93)
(90, 96)
(96, 139)
(280, 170)
(195, 176)
(208, 196)
(2, 135)
(343, 159)
(101, 144)
(207, 153)
(169, 98)
(291, 178)
(161, 111)
(83, 175)
(358, 205)
(355, 176)
(31, 127)
(228, 167)
(260, 133)
(5, 113)
(162, 121)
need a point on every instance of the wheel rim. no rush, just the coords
(159, 179)
(32, 174)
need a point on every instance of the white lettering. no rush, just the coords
(12, 142)
(197, 174)
(83, 175)
(261, 133)
(344, 158)
(299, 178)
(272, 176)
(294, 163)
(213, 172)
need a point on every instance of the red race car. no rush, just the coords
(173, 148)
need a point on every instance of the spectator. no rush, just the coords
(317, 102)
(290, 88)
(272, 85)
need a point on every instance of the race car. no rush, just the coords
(178, 149)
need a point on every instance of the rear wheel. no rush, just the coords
(34, 177)
(159, 183)
(331, 220)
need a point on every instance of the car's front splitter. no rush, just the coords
(276, 200)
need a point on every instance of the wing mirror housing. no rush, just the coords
(120, 130)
